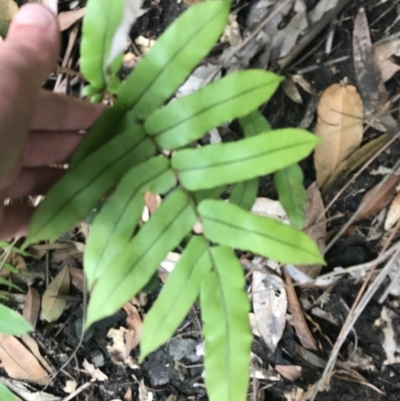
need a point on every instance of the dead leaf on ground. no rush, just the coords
(302, 330)
(32, 306)
(119, 350)
(289, 372)
(70, 386)
(291, 91)
(393, 214)
(19, 362)
(95, 374)
(315, 226)
(68, 18)
(384, 53)
(380, 199)
(356, 160)
(368, 75)
(135, 324)
(270, 208)
(52, 304)
(77, 278)
(340, 113)
(269, 305)
(231, 32)
(128, 395)
(32, 345)
(27, 392)
(390, 344)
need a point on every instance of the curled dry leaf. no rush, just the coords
(377, 200)
(315, 226)
(32, 306)
(96, 374)
(340, 113)
(393, 214)
(19, 362)
(291, 90)
(53, 304)
(383, 53)
(135, 324)
(269, 305)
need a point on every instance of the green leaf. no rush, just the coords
(225, 311)
(291, 193)
(133, 268)
(230, 225)
(226, 163)
(189, 118)
(212, 193)
(244, 193)
(169, 62)
(6, 245)
(13, 323)
(114, 120)
(115, 224)
(71, 199)
(254, 124)
(10, 268)
(6, 394)
(8, 283)
(99, 25)
(177, 297)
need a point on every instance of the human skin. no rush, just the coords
(37, 128)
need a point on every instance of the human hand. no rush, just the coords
(37, 128)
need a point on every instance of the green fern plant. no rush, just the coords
(141, 144)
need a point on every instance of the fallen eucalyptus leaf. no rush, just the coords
(340, 113)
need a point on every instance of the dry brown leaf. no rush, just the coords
(128, 395)
(32, 345)
(32, 306)
(70, 386)
(77, 278)
(340, 113)
(315, 226)
(96, 374)
(393, 214)
(291, 91)
(357, 159)
(368, 75)
(302, 330)
(19, 363)
(68, 18)
(18, 262)
(289, 372)
(53, 304)
(119, 351)
(380, 199)
(269, 305)
(384, 53)
(134, 323)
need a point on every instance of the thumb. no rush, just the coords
(27, 56)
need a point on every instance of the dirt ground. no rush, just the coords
(174, 372)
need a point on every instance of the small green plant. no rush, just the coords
(141, 144)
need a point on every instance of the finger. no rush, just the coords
(27, 56)
(15, 221)
(45, 148)
(56, 112)
(32, 181)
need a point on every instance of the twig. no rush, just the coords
(352, 317)
(77, 391)
(369, 197)
(283, 63)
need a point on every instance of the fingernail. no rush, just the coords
(34, 14)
